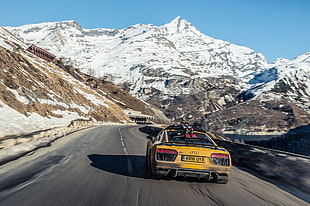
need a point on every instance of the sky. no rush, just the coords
(275, 28)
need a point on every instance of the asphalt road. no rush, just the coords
(106, 166)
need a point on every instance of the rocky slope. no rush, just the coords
(37, 95)
(186, 73)
(278, 100)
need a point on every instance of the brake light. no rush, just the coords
(220, 155)
(220, 159)
(167, 151)
(166, 154)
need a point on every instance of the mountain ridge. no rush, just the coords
(176, 67)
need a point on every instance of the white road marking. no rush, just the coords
(129, 164)
(122, 141)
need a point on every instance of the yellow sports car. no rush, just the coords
(183, 150)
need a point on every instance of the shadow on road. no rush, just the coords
(118, 164)
(127, 165)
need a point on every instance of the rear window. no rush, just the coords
(191, 138)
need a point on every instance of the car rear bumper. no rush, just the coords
(190, 173)
(163, 168)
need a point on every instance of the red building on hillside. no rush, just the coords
(41, 53)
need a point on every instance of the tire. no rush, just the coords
(147, 157)
(150, 173)
(148, 162)
(219, 179)
(222, 180)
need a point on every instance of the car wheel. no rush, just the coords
(148, 162)
(219, 179)
(150, 173)
(147, 157)
(222, 180)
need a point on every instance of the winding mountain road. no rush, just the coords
(106, 166)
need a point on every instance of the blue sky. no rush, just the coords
(275, 28)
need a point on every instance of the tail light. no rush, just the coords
(220, 159)
(166, 154)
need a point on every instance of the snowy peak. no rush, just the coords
(279, 61)
(44, 34)
(9, 41)
(287, 79)
(50, 25)
(305, 58)
(179, 26)
(68, 24)
(300, 63)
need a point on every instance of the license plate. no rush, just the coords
(192, 158)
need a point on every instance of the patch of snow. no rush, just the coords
(15, 123)
(93, 98)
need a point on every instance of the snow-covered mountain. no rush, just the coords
(286, 79)
(278, 99)
(37, 95)
(143, 51)
(175, 66)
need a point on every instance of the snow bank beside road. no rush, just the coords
(15, 123)
(13, 148)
